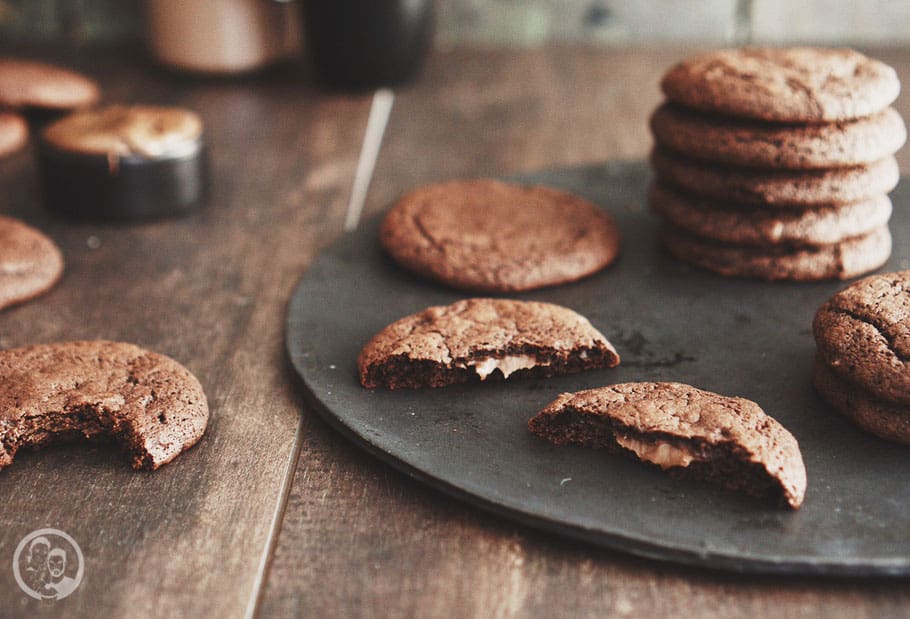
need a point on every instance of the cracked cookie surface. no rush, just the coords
(863, 335)
(764, 145)
(480, 339)
(727, 440)
(149, 404)
(487, 235)
(797, 84)
(30, 263)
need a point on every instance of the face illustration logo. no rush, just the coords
(48, 564)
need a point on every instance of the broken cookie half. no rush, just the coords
(148, 403)
(726, 440)
(482, 339)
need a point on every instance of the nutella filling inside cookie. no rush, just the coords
(663, 454)
(686, 431)
(487, 340)
(508, 365)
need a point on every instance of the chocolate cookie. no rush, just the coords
(728, 440)
(799, 84)
(30, 263)
(863, 334)
(745, 224)
(28, 84)
(884, 419)
(150, 404)
(493, 236)
(797, 189)
(13, 133)
(479, 339)
(849, 258)
(763, 145)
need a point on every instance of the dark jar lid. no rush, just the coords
(357, 45)
(124, 163)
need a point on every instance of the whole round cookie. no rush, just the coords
(13, 133)
(797, 84)
(746, 224)
(863, 333)
(29, 84)
(30, 263)
(849, 258)
(150, 404)
(777, 188)
(763, 145)
(884, 419)
(493, 236)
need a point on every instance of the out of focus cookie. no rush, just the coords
(30, 263)
(770, 146)
(13, 133)
(30, 84)
(749, 224)
(777, 188)
(792, 85)
(849, 258)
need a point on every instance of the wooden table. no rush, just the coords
(273, 513)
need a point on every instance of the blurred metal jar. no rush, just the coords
(222, 36)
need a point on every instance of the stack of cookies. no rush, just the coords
(776, 163)
(862, 367)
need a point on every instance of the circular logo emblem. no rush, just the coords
(48, 564)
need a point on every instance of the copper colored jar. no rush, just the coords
(221, 36)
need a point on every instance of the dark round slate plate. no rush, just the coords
(669, 322)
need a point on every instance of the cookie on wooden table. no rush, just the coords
(849, 258)
(13, 133)
(747, 224)
(152, 406)
(727, 440)
(30, 84)
(30, 263)
(863, 335)
(777, 188)
(888, 420)
(795, 85)
(481, 339)
(771, 146)
(493, 236)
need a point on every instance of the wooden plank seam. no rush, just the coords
(380, 109)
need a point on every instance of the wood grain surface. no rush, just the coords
(354, 538)
(210, 291)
